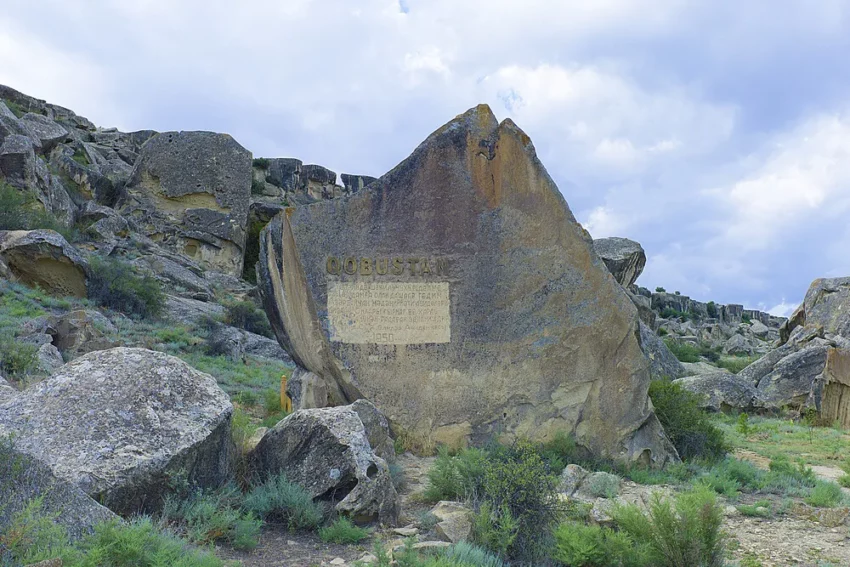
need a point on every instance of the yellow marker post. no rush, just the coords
(285, 401)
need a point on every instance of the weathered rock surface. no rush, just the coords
(119, 423)
(191, 191)
(327, 452)
(625, 258)
(473, 217)
(831, 390)
(24, 478)
(191, 311)
(662, 362)
(455, 521)
(44, 258)
(81, 331)
(306, 390)
(826, 305)
(7, 392)
(377, 429)
(790, 380)
(722, 391)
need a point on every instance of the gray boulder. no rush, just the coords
(759, 329)
(826, 305)
(228, 342)
(120, 423)
(625, 258)
(44, 258)
(258, 345)
(17, 161)
(327, 452)
(377, 429)
(306, 390)
(662, 362)
(736, 345)
(49, 358)
(191, 311)
(81, 331)
(46, 134)
(722, 391)
(790, 380)
(193, 189)
(7, 391)
(24, 478)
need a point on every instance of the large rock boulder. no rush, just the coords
(44, 258)
(831, 390)
(790, 380)
(46, 134)
(625, 258)
(191, 192)
(460, 295)
(120, 423)
(722, 391)
(826, 305)
(662, 362)
(327, 452)
(24, 478)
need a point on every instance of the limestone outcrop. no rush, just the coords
(44, 258)
(460, 295)
(327, 452)
(826, 305)
(119, 423)
(190, 191)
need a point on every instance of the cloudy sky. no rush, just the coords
(716, 133)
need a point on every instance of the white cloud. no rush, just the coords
(783, 309)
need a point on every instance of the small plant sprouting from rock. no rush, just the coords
(261, 163)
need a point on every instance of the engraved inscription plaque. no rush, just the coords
(389, 313)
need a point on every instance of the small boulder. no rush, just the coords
(49, 358)
(455, 521)
(377, 428)
(571, 479)
(119, 423)
(44, 258)
(327, 452)
(17, 161)
(624, 258)
(306, 390)
(737, 344)
(722, 391)
(759, 329)
(790, 380)
(81, 331)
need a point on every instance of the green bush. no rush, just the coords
(844, 480)
(16, 358)
(20, 210)
(283, 501)
(246, 315)
(760, 509)
(735, 364)
(824, 495)
(604, 485)
(687, 426)
(257, 187)
(468, 555)
(682, 532)
(561, 451)
(261, 163)
(115, 285)
(343, 531)
(579, 545)
(660, 290)
(711, 308)
(685, 352)
(207, 517)
(456, 477)
(517, 479)
(495, 528)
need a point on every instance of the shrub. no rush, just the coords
(824, 495)
(397, 476)
(680, 532)
(280, 500)
(761, 509)
(560, 451)
(660, 290)
(114, 284)
(246, 315)
(426, 520)
(604, 485)
(743, 424)
(32, 536)
(735, 364)
(17, 358)
(257, 187)
(343, 531)
(517, 480)
(746, 318)
(20, 210)
(207, 517)
(685, 352)
(687, 426)
(711, 308)
(456, 477)
(261, 163)
(469, 555)
(844, 480)
(578, 545)
(495, 528)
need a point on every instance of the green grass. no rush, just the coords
(735, 364)
(760, 509)
(825, 495)
(213, 516)
(343, 531)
